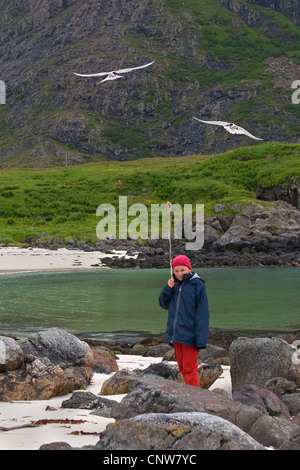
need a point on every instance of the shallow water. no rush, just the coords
(106, 301)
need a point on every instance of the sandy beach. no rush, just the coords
(77, 427)
(18, 259)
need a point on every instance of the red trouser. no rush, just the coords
(186, 358)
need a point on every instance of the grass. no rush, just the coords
(227, 38)
(62, 202)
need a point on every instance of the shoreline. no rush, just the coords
(32, 259)
(16, 259)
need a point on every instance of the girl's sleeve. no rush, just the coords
(165, 297)
(202, 317)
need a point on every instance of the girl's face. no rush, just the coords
(179, 271)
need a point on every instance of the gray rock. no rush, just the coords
(264, 399)
(212, 352)
(11, 354)
(256, 360)
(55, 363)
(87, 400)
(122, 380)
(176, 431)
(59, 346)
(292, 401)
(280, 386)
(156, 395)
(272, 431)
(293, 442)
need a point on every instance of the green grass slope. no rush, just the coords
(62, 202)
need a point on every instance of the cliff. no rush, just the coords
(224, 59)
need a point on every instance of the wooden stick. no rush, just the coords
(170, 239)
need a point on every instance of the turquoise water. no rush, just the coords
(106, 301)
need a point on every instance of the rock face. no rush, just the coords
(158, 395)
(43, 42)
(186, 417)
(262, 399)
(176, 431)
(254, 235)
(256, 227)
(11, 354)
(122, 381)
(59, 346)
(257, 360)
(52, 362)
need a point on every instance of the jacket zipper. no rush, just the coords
(176, 312)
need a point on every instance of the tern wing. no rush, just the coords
(216, 123)
(240, 130)
(91, 74)
(134, 68)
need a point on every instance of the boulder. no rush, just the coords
(263, 399)
(208, 374)
(157, 395)
(292, 401)
(122, 380)
(176, 432)
(158, 350)
(119, 383)
(50, 363)
(256, 360)
(87, 400)
(35, 380)
(212, 352)
(272, 431)
(293, 442)
(163, 396)
(104, 361)
(59, 346)
(280, 386)
(275, 227)
(296, 419)
(11, 354)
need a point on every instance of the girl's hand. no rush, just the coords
(171, 283)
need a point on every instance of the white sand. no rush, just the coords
(25, 412)
(17, 259)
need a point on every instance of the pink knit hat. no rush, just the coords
(181, 260)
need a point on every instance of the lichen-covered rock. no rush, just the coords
(175, 431)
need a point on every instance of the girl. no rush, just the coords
(188, 317)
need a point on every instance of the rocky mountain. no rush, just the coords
(231, 60)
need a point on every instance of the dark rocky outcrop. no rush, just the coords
(175, 431)
(46, 364)
(158, 410)
(262, 399)
(163, 396)
(257, 360)
(122, 381)
(52, 113)
(251, 235)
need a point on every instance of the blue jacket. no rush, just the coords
(188, 316)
